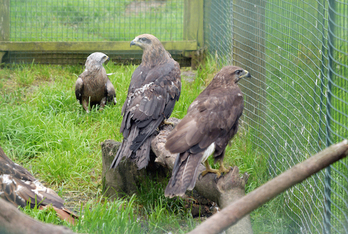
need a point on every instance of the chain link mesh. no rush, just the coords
(297, 100)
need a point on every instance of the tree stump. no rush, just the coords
(125, 178)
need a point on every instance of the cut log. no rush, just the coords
(125, 179)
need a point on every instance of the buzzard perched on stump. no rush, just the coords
(93, 85)
(210, 123)
(153, 91)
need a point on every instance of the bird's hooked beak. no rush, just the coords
(134, 42)
(106, 59)
(244, 74)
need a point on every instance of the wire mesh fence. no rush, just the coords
(297, 101)
(97, 20)
(89, 21)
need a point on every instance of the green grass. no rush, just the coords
(43, 128)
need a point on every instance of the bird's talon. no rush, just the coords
(216, 178)
(168, 122)
(200, 176)
(204, 173)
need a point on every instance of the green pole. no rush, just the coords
(327, 190)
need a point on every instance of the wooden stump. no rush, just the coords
(125, 178)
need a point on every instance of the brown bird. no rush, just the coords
(20, 188)
(210, 123)
(154, 88)
(93, 85)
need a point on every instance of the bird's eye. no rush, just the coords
(238, 72)
(142, 39)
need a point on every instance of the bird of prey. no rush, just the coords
(20, 188)
(93, 85)
(210, 123)
(154, 88)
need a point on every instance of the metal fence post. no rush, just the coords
(327, 190)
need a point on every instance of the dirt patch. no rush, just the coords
(144, 6)
(188, 75)
(74, 199)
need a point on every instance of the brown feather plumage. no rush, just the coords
(93, 85)
(20, 188)
(212, 118)
(153, 91)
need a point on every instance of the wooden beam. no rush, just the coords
(4, 23)
(4, 20)
(193, 21)
(91, 46)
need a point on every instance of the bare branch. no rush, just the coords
(238, 209)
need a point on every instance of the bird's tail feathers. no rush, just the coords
(145, 133)
(184, 174)
(124, 150)
(117, 157)
(143, 154)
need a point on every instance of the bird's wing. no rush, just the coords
(151, 98)
(110, 91)
(209, 117)
(18, 186)
(79, 89)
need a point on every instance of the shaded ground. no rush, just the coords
(200, 206)
(188, 75)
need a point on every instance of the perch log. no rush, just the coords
(124, 179)
(238, 209)
(12, 221)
